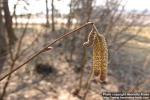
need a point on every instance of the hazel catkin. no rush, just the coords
(100, 56)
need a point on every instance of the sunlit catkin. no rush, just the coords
(100, 56)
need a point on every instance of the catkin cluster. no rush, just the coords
(100, 54)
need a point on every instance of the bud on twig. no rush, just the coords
(48, 49)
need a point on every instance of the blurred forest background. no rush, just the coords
(55, 75)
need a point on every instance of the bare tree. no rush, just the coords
(70, 14)
(47, 14)
(2, 39)
(52, 16)
(14, 56)
(112, 21)
(8, 23)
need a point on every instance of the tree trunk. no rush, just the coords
(53, 22)
(2, 40)
(47, 14)
(8, 24)
(70, 16)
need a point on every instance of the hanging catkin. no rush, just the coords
(90, 39)
(100, 56)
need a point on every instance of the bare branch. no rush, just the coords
(45, 48)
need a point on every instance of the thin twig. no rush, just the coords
(7, 82)
(82, 68)
(88, 84)
(21, 38)
(13, 59)
(45, 48)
